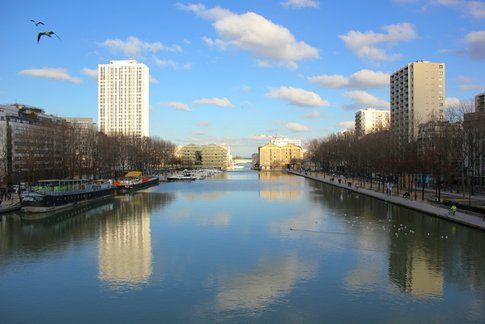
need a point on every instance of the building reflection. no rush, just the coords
(279, 186)
(125, 246)
(414, 271)
(279, 195)
(202, 195)
(271, 280)
(58, 232)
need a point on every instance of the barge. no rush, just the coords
(53, 195)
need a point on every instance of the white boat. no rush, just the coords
(184, 176)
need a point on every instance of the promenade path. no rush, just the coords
(444, 213)
(9, 205)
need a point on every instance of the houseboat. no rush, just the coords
(52, 195)
(134, 180)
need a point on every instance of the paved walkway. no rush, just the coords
(459, 217)
(9, 205)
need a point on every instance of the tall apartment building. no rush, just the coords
(417, 96)
(123, 98)
(371, 120)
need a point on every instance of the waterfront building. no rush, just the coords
(31, 142)
(35, 145)
(474, 127)
(417, 96)
(83, 133)
(480, 102)
(274, 157)
(123, 104)
(82, 122)
(282, 141)
(206, 156)
(371, 120)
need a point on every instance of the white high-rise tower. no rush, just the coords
(123, 98)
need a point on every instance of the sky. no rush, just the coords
(239, 72)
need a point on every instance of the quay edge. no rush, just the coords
(443, 213)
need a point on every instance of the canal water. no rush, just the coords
(241, 247)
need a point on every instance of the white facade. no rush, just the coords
(282, 141)
(371, 120)
(123, 105)
(417, 96)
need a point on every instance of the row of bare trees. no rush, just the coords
(445, 156)
(49, 149)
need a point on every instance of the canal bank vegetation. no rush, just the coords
(66, 151)
(444, 156)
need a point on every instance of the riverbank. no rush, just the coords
(459, 217)
(10, 205)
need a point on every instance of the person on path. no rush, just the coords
(453, 209)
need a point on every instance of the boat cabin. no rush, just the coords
(59, 185)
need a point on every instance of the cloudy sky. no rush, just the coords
(239, 72)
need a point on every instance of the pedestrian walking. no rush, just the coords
(453, 209)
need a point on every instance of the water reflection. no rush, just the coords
(271, 280)
(267, 247)
(125, 245)
(23, 240)
(276, 186)
(125, 251)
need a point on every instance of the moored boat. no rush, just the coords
(134, 180)
(52, 195)
(184, 176)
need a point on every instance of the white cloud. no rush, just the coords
(297, 97)
(330, 80)
(171, 64)
(365, 44)
(476, 9)
(176, 105)
(272, 44)
(452, 101)
(204, 124)
(153, 80)
(219, 102)
(350, 124)
(262, 137)
(476, 44)
(468, 84)
(312, 115)
(59, 74)
(296, 127)
(363, 99)
(92, 73)
(300, 4)
(245, 88)
(134, 47)
(361, 79)
(473, 8)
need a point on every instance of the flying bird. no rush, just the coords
(47, 33)
(37, 23)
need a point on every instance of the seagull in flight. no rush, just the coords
(47, 33)
(37, 23)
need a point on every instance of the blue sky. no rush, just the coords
(239, 72)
